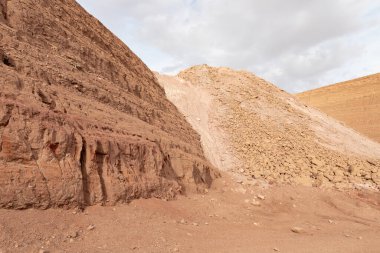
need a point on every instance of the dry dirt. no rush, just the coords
(250, 127)
(230, 218)
(355, 102)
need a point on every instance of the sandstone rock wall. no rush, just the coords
(82, 119)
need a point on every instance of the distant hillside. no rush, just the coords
(355, 102)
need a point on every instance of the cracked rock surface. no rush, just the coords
(83, 121)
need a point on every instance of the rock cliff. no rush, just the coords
(83, 121)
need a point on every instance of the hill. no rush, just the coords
(252, 128)
(355, 102)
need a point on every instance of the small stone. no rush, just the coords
(255, 203)
(206, 223)
(297, 230)
(91, 227)
(317, 162)
(276, 249)
(71, 240)
(195, 224)
(176, 250)
(241, 170)
(73, 234)
(259, 196)
(183, 221)
(347, 235)
(43, 251)
(331, 221)
(359, 237)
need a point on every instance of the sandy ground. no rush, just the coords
(234, 218)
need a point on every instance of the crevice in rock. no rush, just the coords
(83, 163)
(53, 146)
(45, 98)
(3, 10)
(202, 177)
(99, 159)
(8, 61)
(197, 175)
(4, 121)
(167, 170)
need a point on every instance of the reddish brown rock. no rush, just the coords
(82, 119)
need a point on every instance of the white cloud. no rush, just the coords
(296, 44)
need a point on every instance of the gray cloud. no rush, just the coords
(296, 44)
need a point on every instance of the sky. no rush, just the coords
(296, 44)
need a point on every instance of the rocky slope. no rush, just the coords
(355, 102)
(83, 121)
(252, 128)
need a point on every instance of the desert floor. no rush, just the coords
(229, 218)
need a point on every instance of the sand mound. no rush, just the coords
(250, 127)
(355, 102)
(82, 120)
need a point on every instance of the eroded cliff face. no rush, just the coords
(82, 119)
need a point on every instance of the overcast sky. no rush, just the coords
(296, 44)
